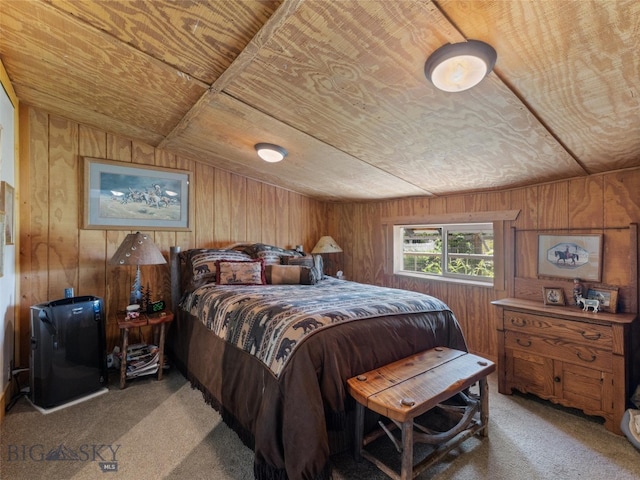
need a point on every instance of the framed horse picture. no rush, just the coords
(570, 256)
(128, 196)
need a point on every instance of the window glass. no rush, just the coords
(463, 251)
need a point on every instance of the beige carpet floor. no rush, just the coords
(164, 430)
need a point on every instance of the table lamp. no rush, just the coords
(326, 245)
(137, 249)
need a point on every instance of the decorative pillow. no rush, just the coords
(200, 264)
(306, 261)
(270, 254)
(249, 272)
(290, 275)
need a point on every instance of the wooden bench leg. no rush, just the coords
(484, 407)
(406, 472)
(357, 448)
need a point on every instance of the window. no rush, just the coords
(461, 251)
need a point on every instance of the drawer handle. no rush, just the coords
(592, 359)
(523, 343)
(518, 322)
(594, 336)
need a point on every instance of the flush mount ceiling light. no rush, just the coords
(456, 67)
(270, 152)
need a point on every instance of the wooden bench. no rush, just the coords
(408, 388)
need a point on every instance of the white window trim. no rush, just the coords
(498, 218)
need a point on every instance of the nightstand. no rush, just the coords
(160, 319)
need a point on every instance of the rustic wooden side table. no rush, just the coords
(160, 319)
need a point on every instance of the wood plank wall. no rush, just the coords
(604, 203)
(56, 253)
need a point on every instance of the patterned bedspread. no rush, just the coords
(270, 321)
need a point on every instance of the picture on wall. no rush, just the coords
(119, 195)
(2, 244)
(570, 256)
(7, 206)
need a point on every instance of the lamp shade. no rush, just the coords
(137, 249)
(270, 152)
(326, 244)
(456, 67)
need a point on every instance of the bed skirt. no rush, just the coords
(294, 422)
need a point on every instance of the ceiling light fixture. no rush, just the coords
(270, 152)
(456, 67)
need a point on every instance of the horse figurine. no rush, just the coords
(588, 303)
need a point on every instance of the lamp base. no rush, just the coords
(136, 289)
(328, 268)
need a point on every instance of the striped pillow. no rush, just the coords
(270, 254)
(289, 275)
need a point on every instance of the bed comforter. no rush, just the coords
(274, 360)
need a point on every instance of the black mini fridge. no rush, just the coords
(68, 350)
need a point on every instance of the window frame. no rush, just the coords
(445, 229)
(502, 256)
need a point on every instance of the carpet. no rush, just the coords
(164, 430)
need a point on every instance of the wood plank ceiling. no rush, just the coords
(340, 84)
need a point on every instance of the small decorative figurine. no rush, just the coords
(588, 303)
(577, 290)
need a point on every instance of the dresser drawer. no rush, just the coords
(600, 336)
(560, 349)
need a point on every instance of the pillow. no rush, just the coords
(200, 264)
(229, 272)
(306, 261)
(270, 254)
(290, 275)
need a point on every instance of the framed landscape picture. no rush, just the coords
(119, 195)
(570, 256)
(607, 296)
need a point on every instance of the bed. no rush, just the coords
(270, 341)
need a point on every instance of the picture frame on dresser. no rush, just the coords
(553, 296)
(570, 256)
(126, 196)
(607, 295)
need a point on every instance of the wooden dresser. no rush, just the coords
(562, 354)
